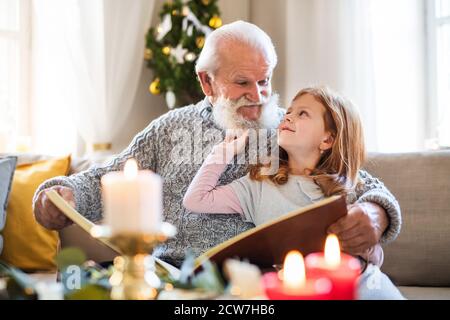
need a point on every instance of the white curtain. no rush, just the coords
(400, 50)
(371, 51)
(332, 46)
(96, 61)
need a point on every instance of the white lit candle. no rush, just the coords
(332, 252)
(293, 272)
(132, 200)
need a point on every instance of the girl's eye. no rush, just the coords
(303, 113)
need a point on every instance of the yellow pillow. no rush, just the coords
(28, 245)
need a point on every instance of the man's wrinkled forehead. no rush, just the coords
(235, 56)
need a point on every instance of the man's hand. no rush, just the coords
(361, 229)
(47, 214)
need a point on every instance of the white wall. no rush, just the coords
(270, 16)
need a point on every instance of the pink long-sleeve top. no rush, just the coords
(203, 194)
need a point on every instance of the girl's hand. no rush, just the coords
(235, 141)
(233, 144)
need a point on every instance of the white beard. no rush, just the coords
(226, 116)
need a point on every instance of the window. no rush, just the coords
(438, 12)
(15, 74)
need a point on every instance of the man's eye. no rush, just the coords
(242, 83)
(264, 82)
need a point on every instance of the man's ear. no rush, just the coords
(327, 143)
(205, 82)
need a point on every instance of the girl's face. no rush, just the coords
(303, 129)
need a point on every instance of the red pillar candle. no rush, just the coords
(291, 282)
(342, 269)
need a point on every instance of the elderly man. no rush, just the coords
(235, 70)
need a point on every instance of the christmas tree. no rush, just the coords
(173, 47)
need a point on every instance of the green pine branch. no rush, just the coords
(173, 76)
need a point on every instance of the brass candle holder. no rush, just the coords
(134, 276)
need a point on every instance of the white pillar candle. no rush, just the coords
(132, 200)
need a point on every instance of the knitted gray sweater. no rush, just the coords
(167, 146)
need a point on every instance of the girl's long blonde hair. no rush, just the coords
(338, 167)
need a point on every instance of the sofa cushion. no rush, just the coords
(425, 293)
(28, 245)
(80, 164)
(421, 182)
(77, 164)
(7, 167)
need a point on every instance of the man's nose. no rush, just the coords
(255, 93)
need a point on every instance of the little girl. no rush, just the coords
(321, 151)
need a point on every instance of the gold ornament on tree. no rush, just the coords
(215, 22)
(148, 54)
(166, 50)
(200, 42)
(206, 2)
(155, 87)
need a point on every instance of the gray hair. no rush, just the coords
(240, 31)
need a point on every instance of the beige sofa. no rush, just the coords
(419, 260)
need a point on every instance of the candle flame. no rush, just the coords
(294, 271)
(131, 169)
(332, 251)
